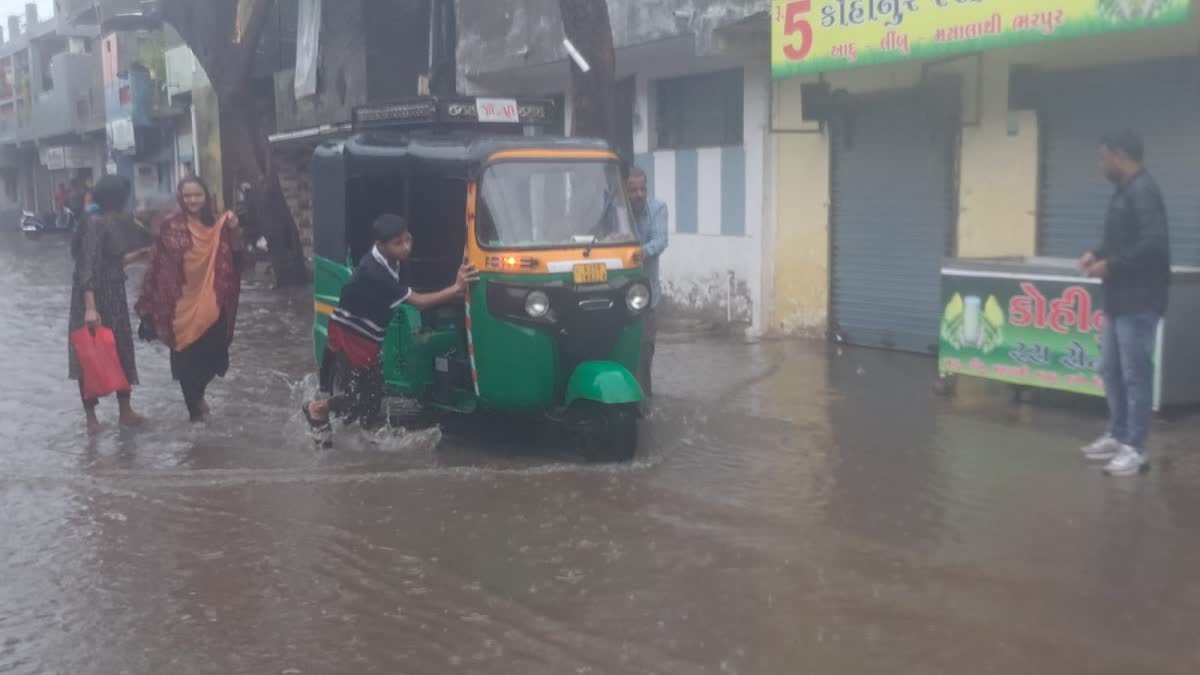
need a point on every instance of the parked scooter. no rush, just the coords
(34, 226)
(66, 220)
(31, 225)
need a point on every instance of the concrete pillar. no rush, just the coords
(31, 15)
(14, 27)
(757, 97)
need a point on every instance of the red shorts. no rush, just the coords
(362, 352)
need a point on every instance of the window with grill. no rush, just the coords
(699, 111)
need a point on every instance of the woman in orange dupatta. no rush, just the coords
(191, 291)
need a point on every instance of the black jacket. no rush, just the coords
(1137, 249)
(371, 297)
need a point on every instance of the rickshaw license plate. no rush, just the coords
(591, 273)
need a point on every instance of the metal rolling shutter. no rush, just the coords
(893, 202)
(1160, 100)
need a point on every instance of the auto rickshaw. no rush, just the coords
(554, 324)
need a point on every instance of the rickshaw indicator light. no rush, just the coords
(537, 304)
(511, 263)
(638, 298)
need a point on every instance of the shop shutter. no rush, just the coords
(893, 209)
(1161, 101)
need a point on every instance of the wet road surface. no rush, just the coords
(793, 510)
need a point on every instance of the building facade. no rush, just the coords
(163, 118)
(884, 163)
(141, 121)
(51, 110)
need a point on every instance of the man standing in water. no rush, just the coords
(1134, 261)
(651, 216)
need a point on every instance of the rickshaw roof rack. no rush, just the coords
(455, 152)
(455, 112)
(462, 144)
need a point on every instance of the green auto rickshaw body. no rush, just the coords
(493, 351)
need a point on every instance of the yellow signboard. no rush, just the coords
(811, 36)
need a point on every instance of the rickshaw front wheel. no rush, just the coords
(605, 434)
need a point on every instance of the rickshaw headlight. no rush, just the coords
(638, 298)
(537, 304)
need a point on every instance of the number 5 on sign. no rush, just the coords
(797, 31)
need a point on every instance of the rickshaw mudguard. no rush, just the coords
(606, 382)
(328, 279)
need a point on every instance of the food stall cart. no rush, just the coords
(1035, 322)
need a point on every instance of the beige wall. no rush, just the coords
(801, 203)
(801, 278)
(998, 174)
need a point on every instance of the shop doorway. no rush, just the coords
(893, 215)
(1161, 101)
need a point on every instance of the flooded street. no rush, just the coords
(793, 510)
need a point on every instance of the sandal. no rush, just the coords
(314, 423)
(321, 430)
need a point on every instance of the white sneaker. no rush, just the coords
(1104, 448)
(1128, 462)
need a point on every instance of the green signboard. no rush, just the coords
(811, 36)
(1039, 332)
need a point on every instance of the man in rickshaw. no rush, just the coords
(358, 325)
(653, 229)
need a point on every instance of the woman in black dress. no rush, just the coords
(100, 250)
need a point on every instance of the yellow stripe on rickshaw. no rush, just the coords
(552, 153)
(323, 309)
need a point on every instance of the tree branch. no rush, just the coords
(173, 13)
(588, 25)
(206, 27)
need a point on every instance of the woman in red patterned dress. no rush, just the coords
(191, 291)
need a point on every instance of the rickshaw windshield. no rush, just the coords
(535, 204)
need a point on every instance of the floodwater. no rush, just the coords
(794, 509)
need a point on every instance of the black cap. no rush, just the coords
(1125, 141)
(389, 226)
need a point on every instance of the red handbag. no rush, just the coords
(98, 361)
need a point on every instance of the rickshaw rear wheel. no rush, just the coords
(605, 434)
(335, 381)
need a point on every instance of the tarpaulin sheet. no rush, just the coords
(308, 45)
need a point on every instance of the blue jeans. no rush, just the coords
(1127, 364)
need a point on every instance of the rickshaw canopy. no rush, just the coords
(422, 138)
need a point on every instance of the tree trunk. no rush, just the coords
(224, 35)
(247, 156)
(443, 46)
(587, 26)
